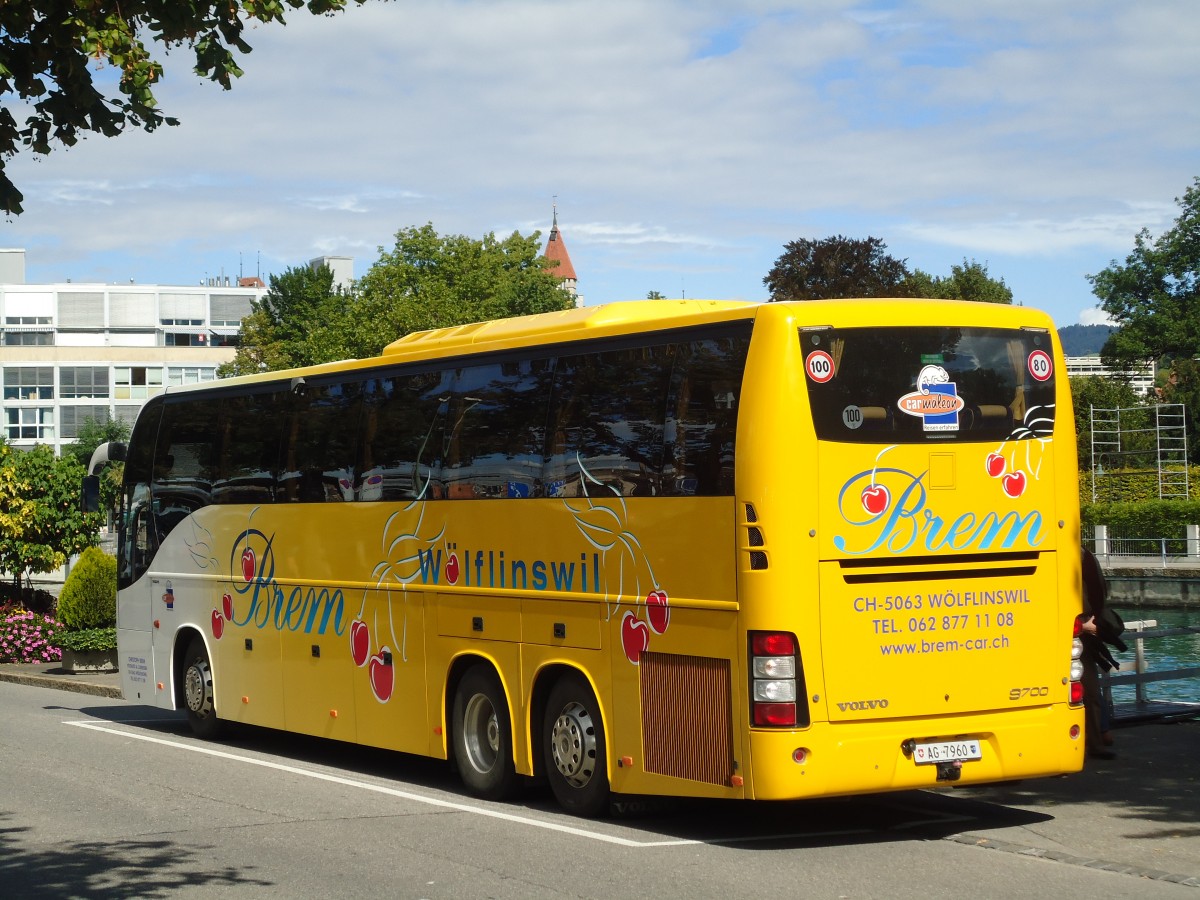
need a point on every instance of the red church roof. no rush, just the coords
(556, 249)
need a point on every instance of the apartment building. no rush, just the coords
(69, 352)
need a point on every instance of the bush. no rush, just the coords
(27, 637)
(89, 596)
(87, 640)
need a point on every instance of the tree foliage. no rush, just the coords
(1154, 297)
(836, 267)
(970, 281)
(41, 524)
(846, 267)
(48, 47)
(301, 320)
(429, 280)
(426, 281)
(89, 595)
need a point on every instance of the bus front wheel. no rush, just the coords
(198, 692)
(575, 754)
(483, 736)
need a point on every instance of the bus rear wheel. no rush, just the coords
(575, 753)
(198, 693)
(483, 736)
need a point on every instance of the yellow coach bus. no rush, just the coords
(688, 548)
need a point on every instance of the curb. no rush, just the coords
(49, 681)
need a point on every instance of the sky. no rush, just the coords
(684, 142)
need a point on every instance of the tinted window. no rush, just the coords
(138, 537)
(495, 435)
(248, 437)
(321, 443)
(402, 436)
(905, 385)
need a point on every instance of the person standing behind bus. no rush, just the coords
(1098, 737)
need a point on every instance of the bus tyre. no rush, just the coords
(483, 736)
(575, 754)
(198, 692)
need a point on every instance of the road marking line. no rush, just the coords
(392, 792)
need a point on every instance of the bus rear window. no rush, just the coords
(918, 384)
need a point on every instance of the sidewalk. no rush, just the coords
(51, 675)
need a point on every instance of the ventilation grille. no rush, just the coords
(751, 515)
(686, 717)
(758, 560)
(756, 538)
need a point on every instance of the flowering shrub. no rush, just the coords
(27, 637)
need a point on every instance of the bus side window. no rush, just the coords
(402, 420)
(320, 441)
(183, 461)
(702, 419)
(496, 430)
(607, 420)
(249, 438)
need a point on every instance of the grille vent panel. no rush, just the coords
(687, 717)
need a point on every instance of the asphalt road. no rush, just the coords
(100, 798)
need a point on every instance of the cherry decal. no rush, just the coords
(383, 676)
(360, 642)
(227, 606)
(218, 624)
(658, 613)
(995, 465)
(452, 569)
(635, 637)
(248, 564)
(875, 499)
(1014, 484)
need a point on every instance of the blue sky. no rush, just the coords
(686, 142)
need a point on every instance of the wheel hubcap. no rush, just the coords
(196, 690)
(573, 745)
(481, 733)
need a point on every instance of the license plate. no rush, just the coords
(946, 751)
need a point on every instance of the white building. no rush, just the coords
(73, 351)
(1081, 366)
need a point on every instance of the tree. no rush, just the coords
(41, 524)
(300, 321)
(1154, 298)
(836, 267)
(432, 281)
(970, 281)
(47, 48)
(654, 295)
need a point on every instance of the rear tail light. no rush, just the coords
(1077, 663)
(776, 682)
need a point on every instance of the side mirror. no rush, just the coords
(89, 499)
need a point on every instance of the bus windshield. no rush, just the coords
(918, 384)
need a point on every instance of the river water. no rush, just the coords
(1162, 654)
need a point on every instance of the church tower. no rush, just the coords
(556, 250)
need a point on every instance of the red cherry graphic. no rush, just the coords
(1014, 484)
(635, 637)
(227, 606)
(875, 499)
(995, 465)
(658, 613)
(383, 676)
(452, 569)
(218, 624)
(248, 564)
(360, 642)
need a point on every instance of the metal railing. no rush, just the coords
(1140, 632)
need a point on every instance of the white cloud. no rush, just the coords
(1094, 315)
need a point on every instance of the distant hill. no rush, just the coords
(1080, 340)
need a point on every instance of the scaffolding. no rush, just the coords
(1142, 440)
